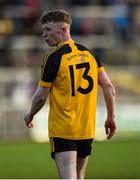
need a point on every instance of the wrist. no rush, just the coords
(30, 115)
(111, 116)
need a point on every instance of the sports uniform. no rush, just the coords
(71, 71)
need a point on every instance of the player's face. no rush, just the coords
(52, 33)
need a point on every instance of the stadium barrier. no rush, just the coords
(17, 88)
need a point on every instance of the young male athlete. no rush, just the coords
(70, 75)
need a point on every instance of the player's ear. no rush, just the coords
(64, 30)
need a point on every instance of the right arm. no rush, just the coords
(38, 102)
(49, 70)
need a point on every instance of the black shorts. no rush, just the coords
(83, 147)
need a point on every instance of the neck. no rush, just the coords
(65, 38)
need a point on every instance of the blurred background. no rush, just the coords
(109, 28)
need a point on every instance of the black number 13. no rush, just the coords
(85, 75)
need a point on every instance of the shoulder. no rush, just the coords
(97, 58)
(82, 47)
(93, 53)
(52, 60)
(59, 52)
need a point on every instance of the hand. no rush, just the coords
(28, 119)
(110, 127)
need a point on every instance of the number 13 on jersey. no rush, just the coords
(85, 76)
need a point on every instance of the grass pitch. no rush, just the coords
(110, 159)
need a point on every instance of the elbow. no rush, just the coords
(112, 89)
(40, 99)
(109, 87)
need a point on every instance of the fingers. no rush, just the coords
(28, 120)
(30, 125)
(110, 128)
(106, 130)
(110, 132)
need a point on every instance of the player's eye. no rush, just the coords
(48, 29)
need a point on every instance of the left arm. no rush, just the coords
(38, 102)
(109, 96)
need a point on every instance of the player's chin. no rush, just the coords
(50, 43)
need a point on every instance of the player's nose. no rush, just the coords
(44, 34)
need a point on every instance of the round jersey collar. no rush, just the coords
(65, 42)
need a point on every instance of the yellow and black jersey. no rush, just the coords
(71, 72)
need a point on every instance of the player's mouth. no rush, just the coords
(46, 40)
(49, 42)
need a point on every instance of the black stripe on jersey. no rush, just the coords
(53, 62)
(98, 61)
(83, 48)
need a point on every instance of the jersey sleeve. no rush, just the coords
(49, 70)
(99, 63)
(100, 66)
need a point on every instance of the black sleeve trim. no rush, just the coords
(98, 61)
(53, 63)
(51, 68)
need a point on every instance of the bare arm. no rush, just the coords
(109, 96)
(38, 102)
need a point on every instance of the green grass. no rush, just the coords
(114, 159)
